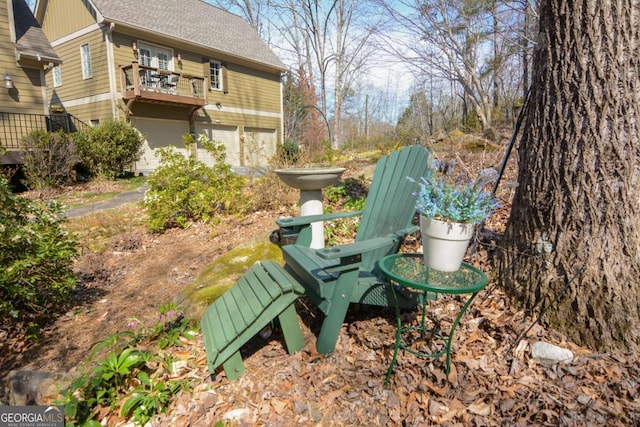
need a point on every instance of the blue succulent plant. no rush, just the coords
(454, 199)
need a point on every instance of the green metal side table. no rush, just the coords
(409, 271)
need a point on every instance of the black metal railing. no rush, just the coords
(15, 126)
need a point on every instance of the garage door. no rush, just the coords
(158, 133)
(259, 146)
(228, 135)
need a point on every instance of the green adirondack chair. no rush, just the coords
(337, 276)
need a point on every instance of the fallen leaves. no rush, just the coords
(489, 385)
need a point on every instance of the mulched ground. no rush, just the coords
(494, 381)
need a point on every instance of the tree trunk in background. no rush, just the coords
(525, 48)
(576, 211)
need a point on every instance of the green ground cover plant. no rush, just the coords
(133, 375)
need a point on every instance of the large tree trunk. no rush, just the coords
(574, 230)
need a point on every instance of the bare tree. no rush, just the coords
(253, 11)
(335, 39)
(446, 38)
(571, 247)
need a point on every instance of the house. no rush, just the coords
(26, 56)
(169, 67)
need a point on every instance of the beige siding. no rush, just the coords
(159, 111)
(122, 54)
(191, 63)
(64, 17)
(92, 111)
(75, 90)
(26, 97)
(250, 120)
(250, 89)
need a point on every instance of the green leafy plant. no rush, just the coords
(118, 365)
(171, 328)
(346, 196)
(329, 152)
(183, 189)
(450, 198)
(36, 257)
(123, 374)
(102, 387)
(32, 332)
(110, 149)
(152, 396)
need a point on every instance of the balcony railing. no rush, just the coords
(15, 126)
(149, 84)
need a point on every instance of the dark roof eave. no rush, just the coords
(107, 21)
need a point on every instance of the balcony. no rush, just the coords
(153, 85)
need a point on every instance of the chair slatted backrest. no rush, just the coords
(390, 205)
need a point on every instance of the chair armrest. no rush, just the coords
(308, 219)
(352, 249)
(358, 248)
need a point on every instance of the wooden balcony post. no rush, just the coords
(136, 78)
(205, 90)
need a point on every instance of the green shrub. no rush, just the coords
(49, 159)
(289, 152)
(110, 149)
(184, 189)
(472, 123)
(349, 195)
(36, 257)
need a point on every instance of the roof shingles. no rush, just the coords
(192, 21)
(30, 39)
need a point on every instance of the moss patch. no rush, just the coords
(480, 144)
(224, 273)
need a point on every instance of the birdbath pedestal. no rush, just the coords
(310, 182)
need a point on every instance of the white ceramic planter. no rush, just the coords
(444, 244)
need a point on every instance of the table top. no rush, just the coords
(409, 270)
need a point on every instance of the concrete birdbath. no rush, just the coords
(310, 182)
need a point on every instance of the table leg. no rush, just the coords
(453, 330)
(398, 342)
(448, 340)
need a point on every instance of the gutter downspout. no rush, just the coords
(111, 66)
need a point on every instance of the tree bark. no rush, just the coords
(571, 249)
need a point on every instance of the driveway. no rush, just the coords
(119, 200)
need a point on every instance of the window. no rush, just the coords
(163, 60)
(215, 71)
(95, 123)
(57, 76)
(156, 57)
(85, 58)
(145, 57)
